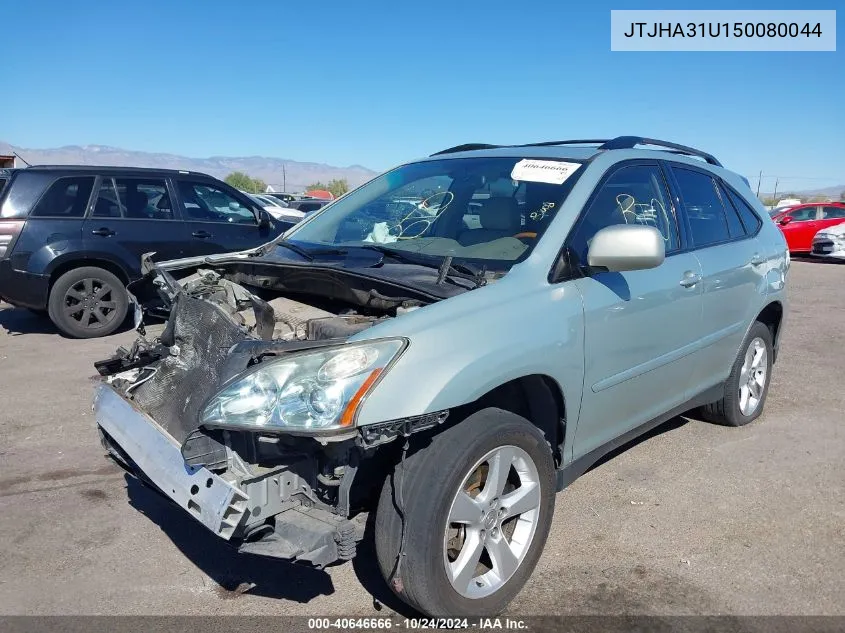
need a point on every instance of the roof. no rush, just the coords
(114, 169)
(565, 148)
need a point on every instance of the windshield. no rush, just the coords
(491, 210)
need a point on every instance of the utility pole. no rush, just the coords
(775, 194)
(759, 180)
(284, 178)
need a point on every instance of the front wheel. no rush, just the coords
(461, 524)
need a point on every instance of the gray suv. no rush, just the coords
(433, 356)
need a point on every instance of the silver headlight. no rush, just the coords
(313, 391)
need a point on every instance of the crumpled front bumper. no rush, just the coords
(206, 496)
(303, 533)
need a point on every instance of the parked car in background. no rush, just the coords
(447, 378)
(302, 202)
(830, 242)
(71, 238)
(307, 205)
(783, 205)
(800, 224)
(279, 209)
(284, 196)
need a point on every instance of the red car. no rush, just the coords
(800, 223)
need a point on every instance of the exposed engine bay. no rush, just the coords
(291, 320)
(289, 495)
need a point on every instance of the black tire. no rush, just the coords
(88, 302)
(429, 480)
(728, 410)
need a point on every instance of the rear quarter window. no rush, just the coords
(66, 198)
(749, 217)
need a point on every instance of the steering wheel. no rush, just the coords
(442, 197)
(419, 215)
(404, 229)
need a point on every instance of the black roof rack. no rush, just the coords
(574, 142)
(467, 147)
(620, 142)
(115, 168)
(629, 142)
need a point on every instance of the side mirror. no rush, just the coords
(624, 247)
(785, 220)
(264, 221)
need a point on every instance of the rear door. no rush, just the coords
(219, 220)
(131, 216)
(733, 265)
(831, 216)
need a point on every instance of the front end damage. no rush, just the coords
(269, 491)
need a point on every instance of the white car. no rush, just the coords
(830, 242)
(277, 208)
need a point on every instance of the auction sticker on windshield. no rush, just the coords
(554, 172)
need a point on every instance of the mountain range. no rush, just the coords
(280, 173)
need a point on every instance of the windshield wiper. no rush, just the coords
(291, 247)
(309, 255)
(445, 268)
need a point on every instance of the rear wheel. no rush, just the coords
(88, 302)
(476, 505)
(748, 384)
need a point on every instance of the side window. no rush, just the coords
(707, 219)
(806, 214)
(636, 194)
(833, 213)
(66, 198)
(750, 219)
(735, 228)
(207, 203)
(134, 198)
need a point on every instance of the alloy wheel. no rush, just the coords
(491, 522)
(91, 303)
(752, 378)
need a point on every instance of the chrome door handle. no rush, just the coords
(690, 279)
(757, 259)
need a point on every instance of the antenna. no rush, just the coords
(22, 158)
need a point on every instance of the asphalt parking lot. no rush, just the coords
(695, 519)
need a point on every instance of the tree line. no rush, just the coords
(239, 180)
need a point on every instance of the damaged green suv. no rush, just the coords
(445, 348)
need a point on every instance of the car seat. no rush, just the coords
(499, 217)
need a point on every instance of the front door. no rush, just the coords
(802, 227)
(639, 326)
(132, 216)
(218, 220)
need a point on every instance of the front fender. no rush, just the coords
(463, 347)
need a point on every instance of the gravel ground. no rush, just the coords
(694, 519)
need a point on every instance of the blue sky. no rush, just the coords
(376, 83)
